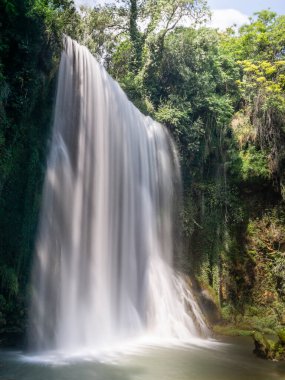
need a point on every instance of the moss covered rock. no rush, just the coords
(268, 349)
(281, 336)
(279, 352)
(263, 347)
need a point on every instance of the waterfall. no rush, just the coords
(103, 262)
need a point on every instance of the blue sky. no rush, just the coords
(225, 13)
(244, 6)
(248, 7)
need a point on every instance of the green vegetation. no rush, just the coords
(220, 94)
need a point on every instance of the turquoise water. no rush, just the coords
(228, 360)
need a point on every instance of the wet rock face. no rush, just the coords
(268, 349)
(206, 301)
(209, 307)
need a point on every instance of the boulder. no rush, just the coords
(264, 348)
(267, 349)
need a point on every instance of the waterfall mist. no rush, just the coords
(103, 262)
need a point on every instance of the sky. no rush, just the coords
(229, 12)
(225, 13)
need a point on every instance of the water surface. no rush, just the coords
(228, 360)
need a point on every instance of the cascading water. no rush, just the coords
(103, 266)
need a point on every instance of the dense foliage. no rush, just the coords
(221, 95)
(28, 46)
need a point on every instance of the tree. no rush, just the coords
(259, 50)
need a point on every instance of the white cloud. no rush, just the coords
(225, 18)
(90, 3)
